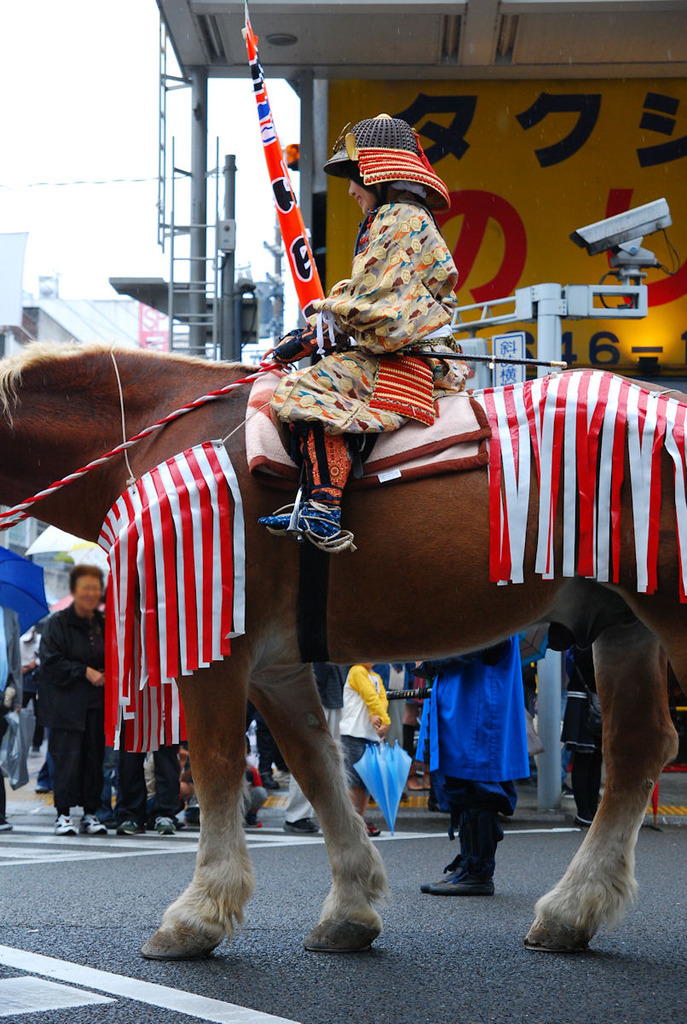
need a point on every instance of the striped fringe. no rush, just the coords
(176, 589)
(580, 427)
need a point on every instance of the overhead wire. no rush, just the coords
(64, 184)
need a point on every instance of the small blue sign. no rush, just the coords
(508, 346)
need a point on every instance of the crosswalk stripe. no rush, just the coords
(172, 999)
(31, 846)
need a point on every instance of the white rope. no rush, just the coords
(12, 516)
(325, 318)
(131, 478)
(243, 422)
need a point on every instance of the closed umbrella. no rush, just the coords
(21, 588)
(384, 771)
(533, 642)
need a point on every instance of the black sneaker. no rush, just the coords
(461, 884)
(304, 826)
(130, 828)
(269, 782)
(4, 823)
(165, 826)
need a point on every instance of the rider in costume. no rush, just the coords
(400, 297)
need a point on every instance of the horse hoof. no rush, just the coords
(178, 945)
(340, 937)
(559, 939)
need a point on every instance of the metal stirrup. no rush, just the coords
(293, 529)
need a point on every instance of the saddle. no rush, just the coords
(456, 441)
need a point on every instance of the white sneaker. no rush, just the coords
(90, 826)
(64, 826)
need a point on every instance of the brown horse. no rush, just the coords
(417, 587)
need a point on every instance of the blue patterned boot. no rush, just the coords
(321, 524)
(278, 522)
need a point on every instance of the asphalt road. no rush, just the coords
(93, 902)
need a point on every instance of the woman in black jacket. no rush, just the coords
(72, 700)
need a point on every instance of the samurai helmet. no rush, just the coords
(386, 149)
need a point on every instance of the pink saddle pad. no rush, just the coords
(457, 441)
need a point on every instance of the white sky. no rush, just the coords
(79, 102)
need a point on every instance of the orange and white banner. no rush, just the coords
(298, 252)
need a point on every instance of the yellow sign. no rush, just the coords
(527, 163)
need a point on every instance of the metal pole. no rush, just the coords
(228, 338)
(238, 325)
(307, 147)
(549, 674)
(278, 297)
(197, 304)
(550, 310)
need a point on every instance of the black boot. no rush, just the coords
(471, 873)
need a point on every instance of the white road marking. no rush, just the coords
(86, 855)
(172, 999)
(40, 846)
(30, 995)
(540, 831)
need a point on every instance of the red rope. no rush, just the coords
(17, 513)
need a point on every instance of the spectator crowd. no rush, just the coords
(468, 743)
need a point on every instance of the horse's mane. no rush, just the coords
(46, 353)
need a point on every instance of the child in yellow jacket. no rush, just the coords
(364, 720)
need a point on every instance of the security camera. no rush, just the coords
(624, 227)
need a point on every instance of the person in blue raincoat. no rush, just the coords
(475, 734)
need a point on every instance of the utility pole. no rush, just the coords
(197, 304)
(550, 308)
(230, 345)
(277, 282)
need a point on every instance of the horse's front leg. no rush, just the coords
(638, 739)
(294, 714)
(215, 707)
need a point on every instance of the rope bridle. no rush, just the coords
(12, 516)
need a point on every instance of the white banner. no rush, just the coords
(12, 248)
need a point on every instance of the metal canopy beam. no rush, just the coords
(439, 39)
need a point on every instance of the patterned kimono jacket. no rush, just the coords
(400, 292)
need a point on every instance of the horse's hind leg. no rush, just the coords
(294, 714)
(638, 739)
(214, 703)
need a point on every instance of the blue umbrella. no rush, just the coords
(384, 770)
(21, 588)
